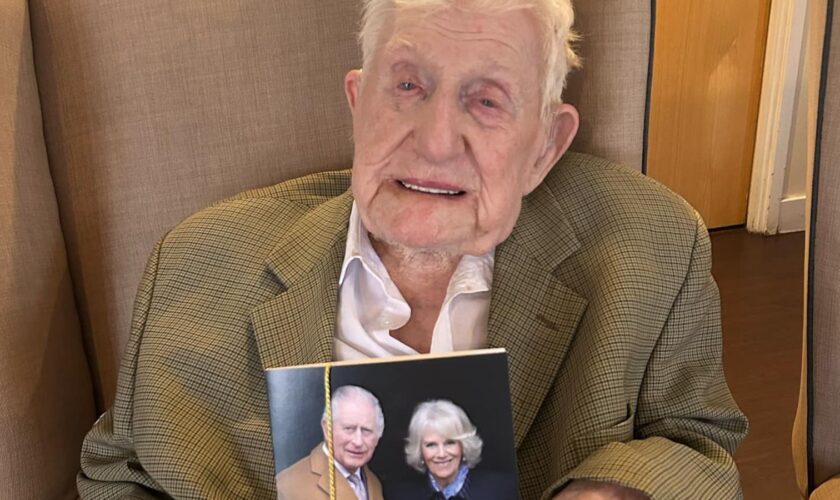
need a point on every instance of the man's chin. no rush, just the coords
(355, 464)
(427, 240)
(421, 231)
(436, 247)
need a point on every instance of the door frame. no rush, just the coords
(783, 56)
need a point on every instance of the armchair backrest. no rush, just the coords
(46, 397)
(155, 109)
(816, 440)
(124, 117)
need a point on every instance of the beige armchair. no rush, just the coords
(816, 440)
(120, 118)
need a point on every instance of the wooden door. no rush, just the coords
(708, 62)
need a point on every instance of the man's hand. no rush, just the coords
(583, 489)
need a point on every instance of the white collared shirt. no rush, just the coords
(370, 305)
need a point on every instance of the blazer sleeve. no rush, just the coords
(686, 424)
(109, 465)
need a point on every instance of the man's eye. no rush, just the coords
(407, 86)
(487, 103)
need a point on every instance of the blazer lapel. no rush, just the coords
(533, 315)
(297, 326)
(320, 466)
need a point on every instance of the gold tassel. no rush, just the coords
(328, 407)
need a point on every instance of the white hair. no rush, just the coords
(346, 392)
(555, 17)
(450, 421)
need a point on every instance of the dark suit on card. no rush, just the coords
(479, 485)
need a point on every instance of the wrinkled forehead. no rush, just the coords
(465, 47)
(500, 37)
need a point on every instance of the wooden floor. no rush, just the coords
(761, 280)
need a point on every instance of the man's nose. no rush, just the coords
(357, 438)
(438, 133)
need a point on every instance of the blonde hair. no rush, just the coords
(555, 17)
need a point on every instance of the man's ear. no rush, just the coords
(324, 430)
(352, 87)
(561, 132)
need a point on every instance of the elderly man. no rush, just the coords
(357, 425)
(455, 233)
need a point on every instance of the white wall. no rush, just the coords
(801, 146)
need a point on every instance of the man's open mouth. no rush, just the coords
(429, 190)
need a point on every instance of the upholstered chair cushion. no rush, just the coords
(825, 279)
(156, 109)
(823, 294)
(611, 89)
(46, 397)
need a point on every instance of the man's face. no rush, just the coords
(354, 432)
(447, 129)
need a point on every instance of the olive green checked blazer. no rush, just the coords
(602, 296)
